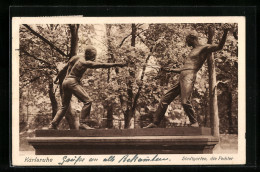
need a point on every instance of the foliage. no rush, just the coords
(147, 48)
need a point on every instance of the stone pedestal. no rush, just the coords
(179, 140)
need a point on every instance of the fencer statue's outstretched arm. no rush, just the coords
(91, 64)
(167, 69)
(213, 48)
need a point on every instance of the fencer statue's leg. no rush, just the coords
(72, 118)
(81, 94)
(187, 85)
(61, 113)
(163, 105)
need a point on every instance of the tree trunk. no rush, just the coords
(133, 35)
(111, 59)
(54, 103)
(74, 39)
(229, 112)
(110, 116)
(127, 118)
(205, 108)
(214, 119)
(130, 111)
(108, 28)
(128, 114)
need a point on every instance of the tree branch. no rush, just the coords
(138, 25)
(141, 32)
(45, 40)
(41, 60)
(142, 40)
(56, 26)
(120, 45)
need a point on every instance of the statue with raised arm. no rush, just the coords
(184, 87)
(75, 68)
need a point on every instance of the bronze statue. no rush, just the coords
(184, 87)
(75, 68)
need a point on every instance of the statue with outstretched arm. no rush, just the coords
(188, 72)
(75, 69)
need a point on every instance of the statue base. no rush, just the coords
(179, 140)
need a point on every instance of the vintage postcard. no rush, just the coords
(103, 91)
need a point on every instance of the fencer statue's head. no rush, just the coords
(90, 53)
(192, 39)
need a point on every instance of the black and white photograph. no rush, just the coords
(128, 91)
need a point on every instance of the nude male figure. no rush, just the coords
(75, 68)
(184, 87)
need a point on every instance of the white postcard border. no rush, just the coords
(172, 159)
